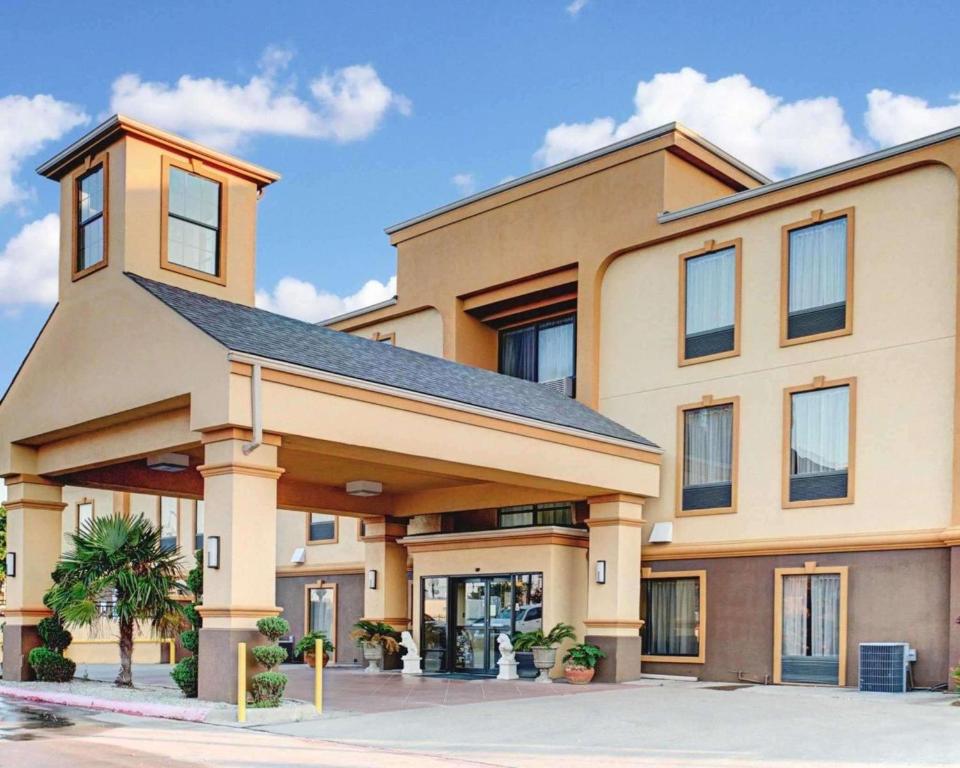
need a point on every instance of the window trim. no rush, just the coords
(820, 382)
(708, 401)
(701, 657)
(93, 512)
(196, 512)
(160, 516)
(710, 246)
(808, 568)
(361, 521)
(534, 324)
(306, 612)
(390, 337)
(197, 168)
(512, 509)
(336, 528)
(92, 163)
(816, 217)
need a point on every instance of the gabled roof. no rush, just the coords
(253, 331)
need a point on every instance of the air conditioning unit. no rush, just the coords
(564, 386)
(885, 667)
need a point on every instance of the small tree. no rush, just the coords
(266, 688)
(123, 556)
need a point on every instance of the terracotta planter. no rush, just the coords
(578, 675)
(311, 659)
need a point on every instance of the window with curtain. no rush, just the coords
(322, 527)
(198, 527)
(710, 303)
(817, 278)
(670, 609)
(84, 513)
(536, 514)
(90, 209)
(193, 222)
(322, 604)
(819, 443)
(708, 457)
(169, 522)
(543, 352)
(810, 650)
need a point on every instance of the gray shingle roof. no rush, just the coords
(240, 328)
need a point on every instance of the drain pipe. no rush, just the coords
(256, 382)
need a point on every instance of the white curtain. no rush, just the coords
(673, 617)
(321, 612)
(818, 265)
(710, 291)
(819, 433)
(825, 615)
(555, 352)
(795, 615)
(707, 445)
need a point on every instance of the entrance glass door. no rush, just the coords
(484, 609)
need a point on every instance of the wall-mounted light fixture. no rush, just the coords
(213, 551)
(600, 575)
(371, 579)
(10, 566)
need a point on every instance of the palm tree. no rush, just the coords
(122, 557)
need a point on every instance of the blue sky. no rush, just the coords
(374, 112)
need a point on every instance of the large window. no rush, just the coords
(709, 303)
(169, 522)
(817, 275)
(322, 610)
(84, 514)
(673, 608)
(543, 352)
(820, 446)
(707, 454)
(198, 525)
(321, 528)
(90, 248)
(193, 213)
(560, 513)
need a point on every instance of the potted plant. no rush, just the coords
(375, 638)
(543, 647)
(580, 663)
(307, 646)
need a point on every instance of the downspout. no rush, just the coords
(256, 382)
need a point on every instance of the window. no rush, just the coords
(536, 514)
(543, 352)
(84, 514)
(819, 429)
(322, 610)
(90, 246)
(708, 443)
(386, 338)
(198, 526)
(817, 278)
(321, 528)
(710, 303)
(169, 522)
(193, 209)
(673, 607)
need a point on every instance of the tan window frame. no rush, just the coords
(708, 401)
(92, 163)
(710, 246)
(701, 657)
(306, 612)
(336, 529)
(93, 512)
(387, 338)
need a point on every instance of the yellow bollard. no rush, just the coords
(241, 682)
(318, 675)
(173, 652)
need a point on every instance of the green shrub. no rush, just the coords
(525, 641)
(53, 634)
(584, 655)
(269, 655)
(191, 615)
(195, 576)
(50, 667)
(273, 627)
(184, 674)
(266, 689)
(308, 643)
(190, 640)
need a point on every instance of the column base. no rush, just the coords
(18, 641)
(622, 662)
(217, 671)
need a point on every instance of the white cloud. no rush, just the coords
(347, 104)
(777, 137)
(300, 299)
(576, 6)
(26, 124)
(465, 183)
(29, 264)
(894, 118)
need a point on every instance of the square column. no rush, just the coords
(34, 520)
(240, 508)
(386, 601)
(613, 607)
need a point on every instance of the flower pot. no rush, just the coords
(310, 659)
(373, 653)
(525, 668)
(578, 675)
(544, 659)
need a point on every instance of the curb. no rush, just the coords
(165, 711)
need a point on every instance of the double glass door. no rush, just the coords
(483, 611)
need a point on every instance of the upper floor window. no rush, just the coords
(708, 455)
(559, 513)
(194, 205)
(544, 352)
(710, 302)
(169, 522)
(91, 247)
(821, 443)
(321, 528)
(817, 272)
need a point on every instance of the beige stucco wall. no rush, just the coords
(901, 351)
(420, 331)
(292, 533)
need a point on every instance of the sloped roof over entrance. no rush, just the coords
(245, 329)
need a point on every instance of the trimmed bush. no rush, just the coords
(191, 615)
(190, 640)
(269, 655)
(184, 674)
(50, 667)
(53, 634)
(273, 627)
(267, 688)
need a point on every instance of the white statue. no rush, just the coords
(508, 658)
(411, 660)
